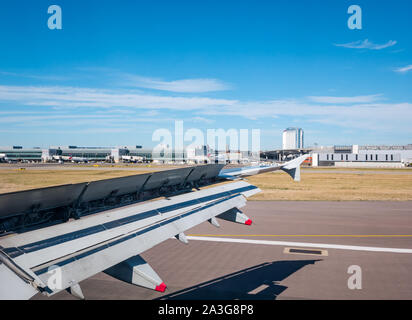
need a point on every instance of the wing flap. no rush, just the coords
(82, 266)
(69, 253)
(13, 287)
(40, 246)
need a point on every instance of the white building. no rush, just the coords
(363, 156)
(292, 138)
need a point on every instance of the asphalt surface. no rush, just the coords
(223, 270)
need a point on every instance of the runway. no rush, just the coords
(249, 262)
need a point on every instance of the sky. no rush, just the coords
(119, 70)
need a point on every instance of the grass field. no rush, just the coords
(333, 186)
(275, 186)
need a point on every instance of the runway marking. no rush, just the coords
(302, 244)
(308, 235)
(305, 251)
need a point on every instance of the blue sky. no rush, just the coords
(117, 71)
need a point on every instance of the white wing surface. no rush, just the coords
(59, 257)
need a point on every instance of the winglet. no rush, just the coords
(293, 167)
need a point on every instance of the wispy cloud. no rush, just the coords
(202, 119)
(339, 100)
(70, 97)
(366, 44)
(356, 112)
(34, 76)
(371, 116)
(128, 80)
(181, 86)
(404, 69)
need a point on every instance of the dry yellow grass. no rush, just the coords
(275, 186)
(314, 169)
(333, 186)
(16, 180)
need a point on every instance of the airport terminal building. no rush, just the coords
(127, 154)
(20, 154)
(363, 156)
(347, 156)
(337, 156)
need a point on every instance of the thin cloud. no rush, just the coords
(202, 119)
(197, 85)
(366, 44)
(371, 116)
(404, 69)
(33, 76)
(364, 112)
(342, 100)
(180, 86)
(70, 97)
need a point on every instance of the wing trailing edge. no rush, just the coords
(59, 257)
(291, 167)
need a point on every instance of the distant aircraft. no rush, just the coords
(133, 159)
(74, 159)
(59, 257)
(3, 157)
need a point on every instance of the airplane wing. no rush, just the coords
(292, 168)
(59, 257)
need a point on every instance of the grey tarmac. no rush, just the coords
(222, 270)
